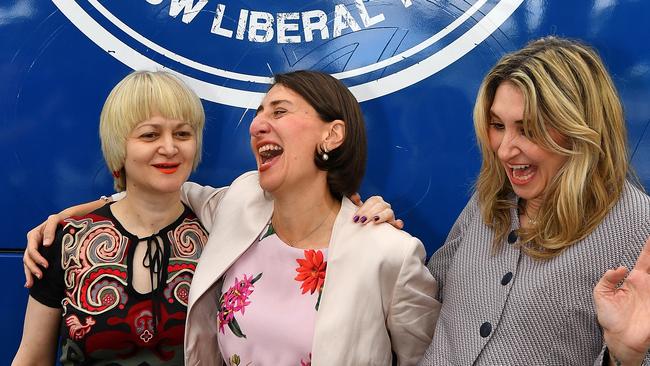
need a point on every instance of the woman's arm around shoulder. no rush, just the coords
(204, 200)
(414, 310)
(40, 334)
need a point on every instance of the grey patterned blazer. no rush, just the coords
(509, 309)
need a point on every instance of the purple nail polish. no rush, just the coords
(355, 218)
(376, 218)
(363, 219)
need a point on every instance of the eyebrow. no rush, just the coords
(156, 125)
(273, 104)
(492, 114)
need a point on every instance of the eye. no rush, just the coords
(148, 136)
(184, 134)
(279, 112)
(496, 125)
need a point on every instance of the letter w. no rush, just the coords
(187, 6)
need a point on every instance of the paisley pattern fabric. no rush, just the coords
(104, 319)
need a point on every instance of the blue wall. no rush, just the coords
(56, 72)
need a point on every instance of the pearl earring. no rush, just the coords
(324, 155)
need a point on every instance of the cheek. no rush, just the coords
(558, 162)
(494, 139)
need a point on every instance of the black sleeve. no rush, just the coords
(49, 290)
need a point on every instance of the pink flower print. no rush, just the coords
(76, 329)
(235, 299)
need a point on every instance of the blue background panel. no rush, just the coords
(422, 152)
(12, 304)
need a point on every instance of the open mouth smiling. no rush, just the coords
(522, 173)
(268, 152)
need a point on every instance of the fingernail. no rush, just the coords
(376, 218)
(355, 218)
(363, 219)
(25, 285)
(39, 276)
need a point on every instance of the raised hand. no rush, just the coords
(624, 311)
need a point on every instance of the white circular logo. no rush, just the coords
(227, 51)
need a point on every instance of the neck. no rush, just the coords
(304, 218)
(145, 214)
(530, 212)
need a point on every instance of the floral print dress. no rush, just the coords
(268, 304)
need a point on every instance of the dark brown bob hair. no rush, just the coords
(332, 100)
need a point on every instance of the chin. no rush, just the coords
(268, 184)
(526, 193)
(169, 187)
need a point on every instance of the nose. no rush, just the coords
(259, 126)
(167, 145)
(509, 146)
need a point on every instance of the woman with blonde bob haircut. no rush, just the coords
(117, 286)
(135, 99)
(553, 211)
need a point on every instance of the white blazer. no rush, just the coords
(378, 298)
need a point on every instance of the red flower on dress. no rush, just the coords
(311, 271)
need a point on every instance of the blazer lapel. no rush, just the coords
(239, 220)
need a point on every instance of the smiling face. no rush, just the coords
(160, 153)
(529, 167)
(285, 133)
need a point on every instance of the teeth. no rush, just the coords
(269, 147)
(520, 167)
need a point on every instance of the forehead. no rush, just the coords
(508, 102)
(157, 120)
(279, 93)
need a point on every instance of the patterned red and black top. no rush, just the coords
(105, 320)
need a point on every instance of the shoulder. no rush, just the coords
(472, 209)
(624, 229)
(248, 178)
(634, 198)
(189, 220)
(101, 214)
(632, 208)
(246, 187)
(374, 240)
(100, 221)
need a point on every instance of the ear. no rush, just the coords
(335, 134)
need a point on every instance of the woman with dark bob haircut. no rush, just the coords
(287, 277)
(298, 282)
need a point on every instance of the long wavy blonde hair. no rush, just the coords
(566, 88)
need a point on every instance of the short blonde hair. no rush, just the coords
(138, 97)
(566, 88)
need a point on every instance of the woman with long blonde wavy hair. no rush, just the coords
(555, 207)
